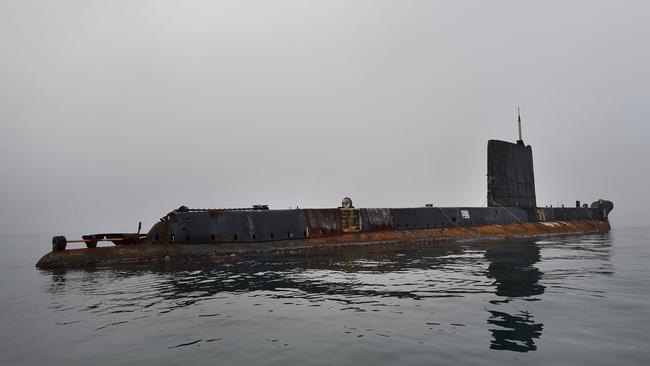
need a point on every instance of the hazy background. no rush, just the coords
(113, 112)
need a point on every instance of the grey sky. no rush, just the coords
(113, 112)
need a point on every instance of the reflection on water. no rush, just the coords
(513, 269)
(515, 332)
(516, 279)
(414, 281)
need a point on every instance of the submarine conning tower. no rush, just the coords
(510, 176)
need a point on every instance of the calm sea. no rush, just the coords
(565, 300)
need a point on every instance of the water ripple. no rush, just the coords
(398, 302)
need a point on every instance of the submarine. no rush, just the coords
(191, 235)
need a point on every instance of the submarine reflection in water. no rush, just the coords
(516, 281)
(422, 279)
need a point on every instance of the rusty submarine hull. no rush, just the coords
(218, 235)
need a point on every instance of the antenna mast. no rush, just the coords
(521, 140)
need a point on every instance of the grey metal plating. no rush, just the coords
(227, 226)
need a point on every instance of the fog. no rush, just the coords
(114, 112)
